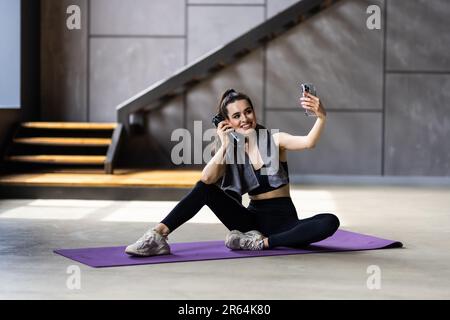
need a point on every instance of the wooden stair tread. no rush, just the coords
(97, 178)
(64, 141)
(70, 125)
(59, 159)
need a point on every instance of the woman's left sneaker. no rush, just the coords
(151, 243)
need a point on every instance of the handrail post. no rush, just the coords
(113, 149)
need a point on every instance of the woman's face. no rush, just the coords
(241, 116)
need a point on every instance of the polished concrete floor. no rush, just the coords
(417, 216)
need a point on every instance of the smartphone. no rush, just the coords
(218, 118)
(308, 87)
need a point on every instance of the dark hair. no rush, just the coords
(231, 96)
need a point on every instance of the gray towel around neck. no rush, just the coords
(239, 177)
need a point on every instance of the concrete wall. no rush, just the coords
(64, 59)
(386, 91)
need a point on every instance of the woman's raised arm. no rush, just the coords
(296, 143)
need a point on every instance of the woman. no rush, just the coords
(271, 219)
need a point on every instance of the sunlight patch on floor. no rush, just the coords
(307, 203)
(46, 213)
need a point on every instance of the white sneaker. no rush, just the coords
(251, 240)
(152, 243)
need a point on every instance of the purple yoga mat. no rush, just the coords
(214, 250)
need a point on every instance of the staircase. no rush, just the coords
(38, 145)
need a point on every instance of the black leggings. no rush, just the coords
(275, 218)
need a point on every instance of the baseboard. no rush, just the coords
(93, 193)
(421, 181)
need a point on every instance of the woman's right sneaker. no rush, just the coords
(152, 243)
(251, 240)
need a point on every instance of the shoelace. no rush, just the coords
(149, 235)
(253, 244)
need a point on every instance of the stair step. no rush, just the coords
(59, 159)
(64, 141)
(70, 125)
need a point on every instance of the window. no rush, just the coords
(10, 54)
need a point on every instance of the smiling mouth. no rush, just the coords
(246, 126)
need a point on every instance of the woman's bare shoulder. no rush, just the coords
(282, 152)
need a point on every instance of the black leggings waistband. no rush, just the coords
(275, 201)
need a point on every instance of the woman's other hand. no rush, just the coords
(314, 104)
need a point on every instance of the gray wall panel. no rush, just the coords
(418, 125)
(336, 52)
(350, 143)
(418, 36)
(162, 122)
(153, 148)
(212, 26)
(64, 61)
(120, 68)
(138, 17)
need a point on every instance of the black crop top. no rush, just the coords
(263, 180)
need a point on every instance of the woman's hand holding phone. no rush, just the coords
(313, 104)
(223, 128)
